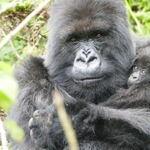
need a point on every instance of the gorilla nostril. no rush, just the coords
(134, 77)
(80, 60)
(92, 59)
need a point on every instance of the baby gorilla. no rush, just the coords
(138, 94)
(130, 116)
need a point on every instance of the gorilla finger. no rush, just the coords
(34, 123)
(35, 134)
(31, 123)
(36, 113)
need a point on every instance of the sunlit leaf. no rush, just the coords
(8, 86)
(8, 90)
(6, 67)
(5, 50)
(16, 132)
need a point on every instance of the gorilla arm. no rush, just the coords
(84, 121)
(34, 93)
(121, 106)
(84, 117)
(137, 118)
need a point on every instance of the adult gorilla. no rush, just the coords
(89, 54)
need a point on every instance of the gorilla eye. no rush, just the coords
(98, 35)
(144, 72)
(73, 39)
(135, 68)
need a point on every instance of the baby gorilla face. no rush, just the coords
(141, 68)
(137, 76)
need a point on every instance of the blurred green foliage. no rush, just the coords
(17, 134)
(8, 86)
(31, 40)
(139, 16)
(8, 93)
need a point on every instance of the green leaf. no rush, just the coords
(6, 67)
(5, 50)
(15, 131)
(5, 102)
(8, 90)
(41, 43)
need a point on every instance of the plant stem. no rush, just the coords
(3, 136)
(65, 122)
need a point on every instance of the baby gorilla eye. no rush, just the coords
(135, 68)
(144, 72)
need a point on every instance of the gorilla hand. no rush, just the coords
(40, 126)
(43, 125)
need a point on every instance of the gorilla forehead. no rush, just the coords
(84, 28)
(72, 10)
(143, 57)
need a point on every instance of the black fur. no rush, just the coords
(119, 129)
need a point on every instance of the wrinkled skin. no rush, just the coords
(89, 56)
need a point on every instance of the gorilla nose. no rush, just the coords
(135, 76)
(87, 62)
(87, 59)
(86, 53)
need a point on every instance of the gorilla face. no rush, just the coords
(141, 68)
(90, 48)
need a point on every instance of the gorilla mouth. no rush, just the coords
(88, 80)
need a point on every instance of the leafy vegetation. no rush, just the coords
(31, 39)
(7, 93)
(139, 16)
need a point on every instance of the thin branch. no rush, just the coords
(66, 124)
(3, 136)
(15, 51)
(10, 5)
(23, 23)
